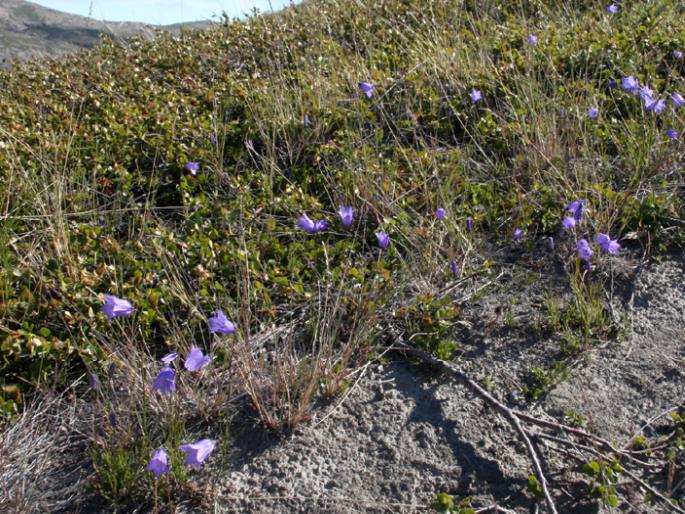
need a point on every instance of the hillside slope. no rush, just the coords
(28, 30)
(207, 239)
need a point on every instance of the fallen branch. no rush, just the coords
(503, 409)
(516, 418)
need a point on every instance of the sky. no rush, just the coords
(160, 12)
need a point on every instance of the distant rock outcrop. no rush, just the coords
(28, 30)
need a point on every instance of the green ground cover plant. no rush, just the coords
(175, 174)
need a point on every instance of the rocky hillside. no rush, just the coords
(28, 30)
(349, 257)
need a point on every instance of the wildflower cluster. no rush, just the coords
(165, 382)
(651, 102)
(576, 213)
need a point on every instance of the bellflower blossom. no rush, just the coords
(192, 167)
(346, 215)
(367, 88)
(454, 267)
(219, 324)
(383, 240)
(165, 381)
(630, 85)
(655, 104)
(645, 92)
(584, 250)
(310, 226)
(196, 360)
(476, 96)
(159, 463)
(577, 208)
(607, 244)
(116, 307)
(197, 452)
(169, 358)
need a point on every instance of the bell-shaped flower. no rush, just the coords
(197, 452)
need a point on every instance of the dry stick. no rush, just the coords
(576, 431)
(655, 418)
(503, 409)
(656, 493)
(628, 454)
(494, 508)
(325, 499)
(515, 417)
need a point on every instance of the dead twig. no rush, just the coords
(516, 418)
(499, 406)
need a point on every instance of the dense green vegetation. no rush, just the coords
(95, 197)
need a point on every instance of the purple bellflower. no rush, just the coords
(383, 240)
(532, 39)
(454, 267)
(584, 250)
(165, 381)
(677, 54)
(630, 85)
(367, 88)
(197, 452)
(645, 92)
(346, 215)
(196, 360)
(439, 213)
(169, 358)
(678, 100)
(469, 224)
(607, 244)
(192, 167)
(672, 134)
(159, 464)
(310, 226)
(592, 113)
(577, 208)
(116, 307)
(307, 121)
(612, 9)
(517, 234)
(655, 104)
(568, 223)
(476, 96)
(219, 324)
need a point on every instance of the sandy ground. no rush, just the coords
(403, 432)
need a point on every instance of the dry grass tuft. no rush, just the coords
(41, 457)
